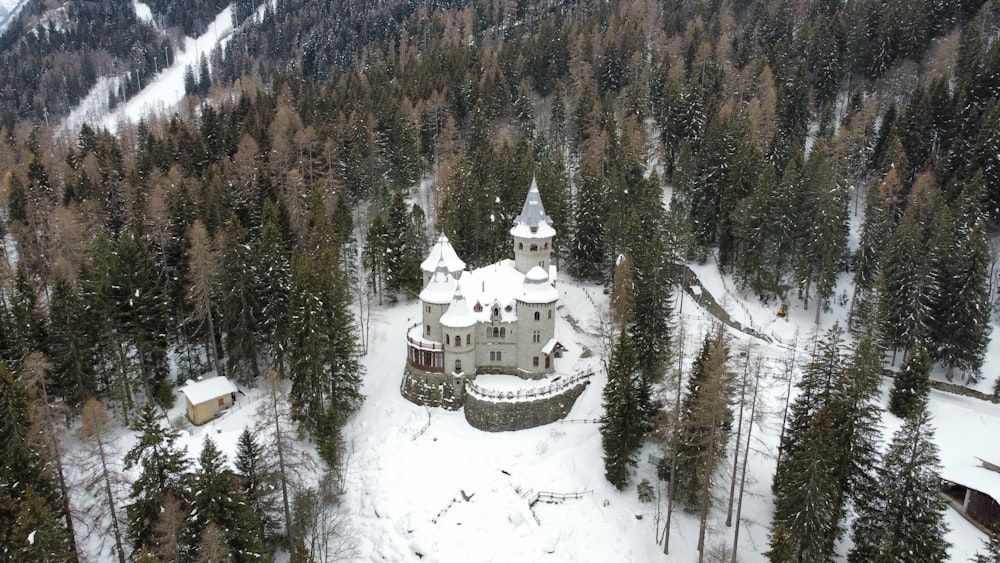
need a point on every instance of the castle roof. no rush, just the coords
(443, 250)
(537, 288)
(441, 288)
(533, 222)
(458, 314)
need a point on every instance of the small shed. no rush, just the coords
(207, 398)
(974, 491)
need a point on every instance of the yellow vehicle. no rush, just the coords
(782, 311)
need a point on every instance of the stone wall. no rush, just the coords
(506, 416)
(433, 389)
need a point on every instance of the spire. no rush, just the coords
(458, 314)
(533, 213)
(441, 286)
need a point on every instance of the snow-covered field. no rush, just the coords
(422, 482)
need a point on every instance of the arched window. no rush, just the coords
(534, 248)
(520, 246)
(496, 311)
(496, 332)
(538, 316)
(428, 330)
(503, 332)
(447, 339)
(458, 366)
(458, 340)
(545, 246)
(468, 340)
(550, 313)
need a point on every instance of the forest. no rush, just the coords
(252, 232)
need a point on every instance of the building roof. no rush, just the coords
(533, 222)
(208, 389)
(974, 476)
(443, 250)
(551, 345)
(458, 314)
(441, 288)
(537, 288)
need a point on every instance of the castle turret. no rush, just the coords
(536, 303)
(458, 324)
(435, 298)
(532, 233)
(442, 251)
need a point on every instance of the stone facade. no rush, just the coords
(507, 416)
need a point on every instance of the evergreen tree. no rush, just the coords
(257, 481)
(217, 500)
(705, 421)
(587, 245)
(31, 524)
(273, 259)
(904, 518)
(621, 425)
(992, 548)
(912, 384)
(70, 344)
(241, 306)
(162, 465)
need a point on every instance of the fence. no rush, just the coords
(554, 388)
(534, 497)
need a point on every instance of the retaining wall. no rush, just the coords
(507, 416)
(433, 389)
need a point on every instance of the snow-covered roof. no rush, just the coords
(533, 222)
(551, 345)
(443, 250)
(441, 288)
(537, 288)
(974, 476)
(208, 389)
(458, 314)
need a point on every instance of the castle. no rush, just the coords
(499, 319)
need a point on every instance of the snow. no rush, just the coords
(443, 251)
(536, 288)
(143, 12)
(441, 287)
(208, 389)
(543, 230)
(161, 97)
(458, 314)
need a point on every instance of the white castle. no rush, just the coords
(499, 319)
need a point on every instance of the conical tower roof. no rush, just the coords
(441, 287)
(458, 314)
(533, 222)
(443, 250)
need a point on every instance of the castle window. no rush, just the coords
(496, 312)
(541, 264)
(520, 246)
(439, 361)
(545, 246)
(496, 332)
(496, 356)
(534, 248)
(458, 340)
(550, 313)
(538, 316)
(488, 331)
(507, 308)
(468, 340)
(534, 361)
(447, 339)
(458, 366)
(428, 330)
(536, 336)
(478, 308)
(503, 332)
(428, 308)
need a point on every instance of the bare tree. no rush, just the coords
(322, 525)
(714, 408)
(739, 430)
(97, 464)
(168, 528)
(757, 363)
(203, 271)
(212, 546)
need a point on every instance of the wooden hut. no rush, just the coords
(207, 398)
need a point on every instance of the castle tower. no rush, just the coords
(435, 298)
(458, 325)
(532, 233)
(442, 251)
(536, 303)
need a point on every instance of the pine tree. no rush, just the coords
(202, 273)
(162, 465)
(912, 384)
(70, 344)
(32, 527)
(272, 256)
(903, 519)
(991, 546)
(257, 481)
(241, 306)
(621, 425)
(99, 468)
(217, 500)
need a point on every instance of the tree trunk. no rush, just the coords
(743, 476)
(739, 435)
(111, 501)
